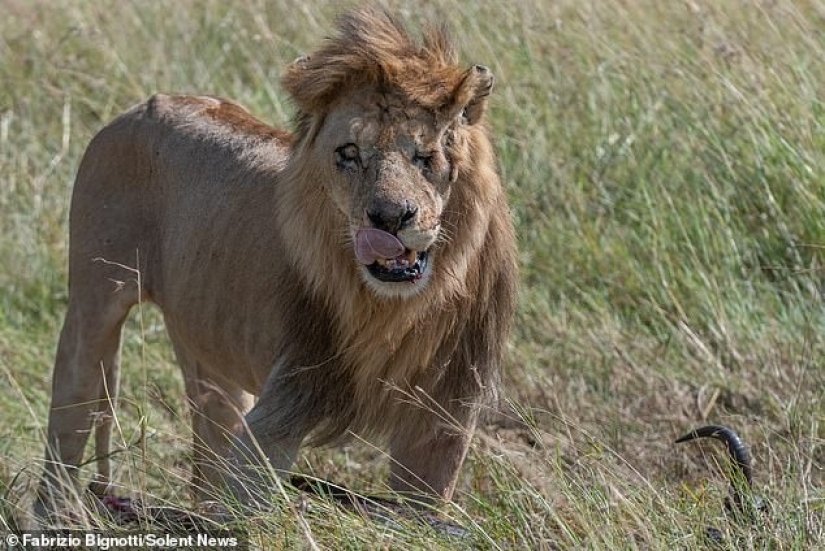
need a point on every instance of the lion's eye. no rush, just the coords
(423, 161)
(348, 157)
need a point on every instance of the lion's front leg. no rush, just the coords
(426, 463)
(259, 456)
(274, 430)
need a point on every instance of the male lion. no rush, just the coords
(356, 275)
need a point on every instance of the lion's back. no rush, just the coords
(205, 115)
(181, 140)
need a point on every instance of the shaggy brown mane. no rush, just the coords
(382, 349)
(374, 50)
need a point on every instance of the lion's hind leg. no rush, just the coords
(217, 419)
(84, 384)
(105, 417)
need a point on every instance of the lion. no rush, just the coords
(357, 275)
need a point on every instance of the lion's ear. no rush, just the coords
(470, 97)
(311, 87)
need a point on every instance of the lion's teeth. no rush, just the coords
(399, 262)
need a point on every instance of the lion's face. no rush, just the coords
(390, 179)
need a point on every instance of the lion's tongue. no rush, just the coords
(372, 244)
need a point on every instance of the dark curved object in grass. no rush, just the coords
(737, 451)
(741, 501)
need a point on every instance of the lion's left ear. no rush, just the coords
(469, 99)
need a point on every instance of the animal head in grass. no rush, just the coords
(394, 128)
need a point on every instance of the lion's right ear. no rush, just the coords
(470, 96)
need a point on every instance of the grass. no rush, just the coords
(666, 167)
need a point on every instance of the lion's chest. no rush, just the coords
(389, 357)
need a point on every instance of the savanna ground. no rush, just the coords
(664, 162)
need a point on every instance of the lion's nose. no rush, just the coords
(393, 220)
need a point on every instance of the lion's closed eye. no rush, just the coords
(423, 161)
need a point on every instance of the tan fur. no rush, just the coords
(243, 235)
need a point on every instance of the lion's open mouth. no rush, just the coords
(408, 266)
(386, 258)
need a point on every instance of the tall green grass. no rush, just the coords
(665, 167)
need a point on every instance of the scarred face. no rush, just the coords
(392, 175)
